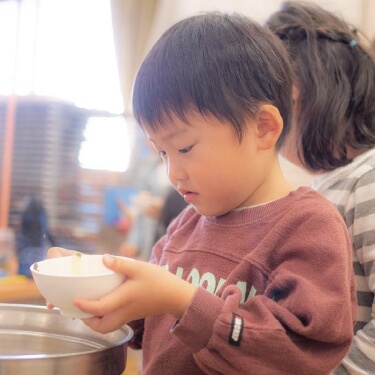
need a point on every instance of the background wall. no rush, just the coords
(139, 23)
(359, 12)
(48, 134)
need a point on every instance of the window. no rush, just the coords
(107, 145)
(64, 49)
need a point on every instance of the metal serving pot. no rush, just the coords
(35, 340)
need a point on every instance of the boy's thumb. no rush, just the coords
(123, 265)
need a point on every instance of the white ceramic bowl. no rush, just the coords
(61, 280)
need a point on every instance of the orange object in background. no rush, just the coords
(18, 288)
(7, 161)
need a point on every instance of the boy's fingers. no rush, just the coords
(104, 324)
(101, 307)
(56, 252)
(127, 266)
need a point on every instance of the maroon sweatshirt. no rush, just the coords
(276, 292)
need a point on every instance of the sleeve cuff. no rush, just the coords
(197, 324)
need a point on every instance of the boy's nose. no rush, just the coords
(175, 171)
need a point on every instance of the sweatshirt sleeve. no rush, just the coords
(301, 324)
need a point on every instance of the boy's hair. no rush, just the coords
(219, 64)
(335, 75)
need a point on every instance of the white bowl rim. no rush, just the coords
(62, 276)
(107, 273)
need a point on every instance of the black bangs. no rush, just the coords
(224, 65)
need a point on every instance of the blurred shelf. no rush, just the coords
(18, 288)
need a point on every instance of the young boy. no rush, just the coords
(252, 277)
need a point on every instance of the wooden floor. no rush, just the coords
(133, 364)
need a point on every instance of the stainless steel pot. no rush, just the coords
(38, 341)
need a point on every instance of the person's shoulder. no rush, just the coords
(360, 172)
(306, 194)
(362, 169)
(308, 200)
(367, 176)
(314, 212)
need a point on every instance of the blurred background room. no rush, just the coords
(68, 139)
(67, 135)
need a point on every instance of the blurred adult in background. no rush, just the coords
(174, 203)
(333, 135)
(161, 210)
(145, 210)
(33, 237)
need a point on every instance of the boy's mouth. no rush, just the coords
(183, 192)
(189, 196)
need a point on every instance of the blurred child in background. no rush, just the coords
(333, 136)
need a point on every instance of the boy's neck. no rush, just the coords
(275, 186)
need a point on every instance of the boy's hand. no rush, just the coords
(148, 290)
(56, 252)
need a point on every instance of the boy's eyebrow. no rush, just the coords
(171, 135)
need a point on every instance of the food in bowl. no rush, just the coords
(61, 280)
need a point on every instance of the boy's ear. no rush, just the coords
(269, 126)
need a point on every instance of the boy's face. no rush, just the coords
(208, 165)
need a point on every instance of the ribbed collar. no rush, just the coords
(260, 212)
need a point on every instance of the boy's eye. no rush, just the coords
(185, 150)
(162, 153)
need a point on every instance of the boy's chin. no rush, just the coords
(209, 211)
